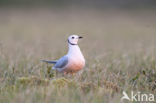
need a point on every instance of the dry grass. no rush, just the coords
(119, 47)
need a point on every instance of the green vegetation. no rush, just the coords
(119, 47)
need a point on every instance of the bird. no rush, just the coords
(73, 61)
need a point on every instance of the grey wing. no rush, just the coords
(51, 62)
(62, 62)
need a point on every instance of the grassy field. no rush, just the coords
(118, 45)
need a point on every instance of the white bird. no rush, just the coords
(73, 61)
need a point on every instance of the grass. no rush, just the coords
(119, 47)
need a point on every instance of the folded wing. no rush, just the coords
(51, 62)
(62, 62)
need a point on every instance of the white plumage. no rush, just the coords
(73, 61)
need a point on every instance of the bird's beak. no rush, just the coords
(80, 37)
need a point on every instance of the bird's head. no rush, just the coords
(73, 39)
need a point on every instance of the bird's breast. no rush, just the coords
(75, 65)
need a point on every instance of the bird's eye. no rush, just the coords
(72, 37)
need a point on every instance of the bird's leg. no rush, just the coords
(65, 73)
(72, 73)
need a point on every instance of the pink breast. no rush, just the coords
(74, 66)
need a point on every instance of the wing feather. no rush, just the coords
(62, 62)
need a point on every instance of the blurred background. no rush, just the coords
(102, 20)
(45, 24)
(110, 24)
(27, 26)
(80, 3)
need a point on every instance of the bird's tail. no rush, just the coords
(47, 61)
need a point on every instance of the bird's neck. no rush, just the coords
(74, 49)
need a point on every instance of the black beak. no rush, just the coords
(80, 37)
